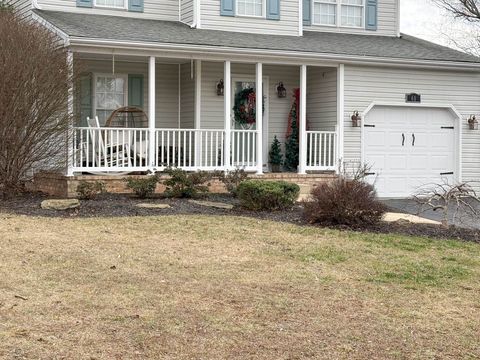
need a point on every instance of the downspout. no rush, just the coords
(196, 14)
(35, 5)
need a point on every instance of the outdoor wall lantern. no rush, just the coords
(472, 122)
(281, 91)
(356, 119)
(220, 88)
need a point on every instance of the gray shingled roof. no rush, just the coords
(131, 29)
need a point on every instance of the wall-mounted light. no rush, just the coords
(281, 91)
(472, 122)
(356, 119)
(220, 88)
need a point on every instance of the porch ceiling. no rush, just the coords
(101, 27)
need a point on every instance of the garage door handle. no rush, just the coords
(413, 139)
(403, 139)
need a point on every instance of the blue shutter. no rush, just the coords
(135, 90)
(135, 5)
(85, 98)
(227, 7)
(273, 9)
(371, 15)
(307, 12)
(85, 3)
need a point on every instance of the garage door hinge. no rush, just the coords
(367, 125)
(447, 173)
(448, 127)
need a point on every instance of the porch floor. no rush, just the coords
(62, 186)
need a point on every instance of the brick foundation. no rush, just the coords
(59, 185)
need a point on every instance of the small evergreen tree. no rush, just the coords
(292, 144)
(275, 154)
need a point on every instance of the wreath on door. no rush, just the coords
(244, 109)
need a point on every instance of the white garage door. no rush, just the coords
(409, 148)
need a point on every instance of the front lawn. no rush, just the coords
(226, 287)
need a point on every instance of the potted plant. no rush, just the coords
(275, 155)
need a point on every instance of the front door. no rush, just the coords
(243, 139)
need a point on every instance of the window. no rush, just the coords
(110, 94)
(250, 7)
(117, 4)
(351, 12)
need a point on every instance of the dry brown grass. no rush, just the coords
(196, 287)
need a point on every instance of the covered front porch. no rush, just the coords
(190, 118)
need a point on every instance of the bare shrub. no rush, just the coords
(90, 190)
(457, 203)
(34, 92)
(232, 179)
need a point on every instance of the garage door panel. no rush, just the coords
(401, 170)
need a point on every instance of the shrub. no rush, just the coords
(267, 195)
(143, 188)
(349, 202)
(183, 184)
(89, 191)
(232, 179)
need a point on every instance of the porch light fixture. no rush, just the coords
(356, 119)
(472, 122)
(220, 88)
(281, 91)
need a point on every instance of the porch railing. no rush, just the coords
(244, 149)
(127, 150)
(321, 150)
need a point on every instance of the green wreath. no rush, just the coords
(244, 109)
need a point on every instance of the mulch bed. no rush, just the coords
(109, 205)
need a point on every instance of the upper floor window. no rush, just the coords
(116, 4)
(250, 7)
(350, 12)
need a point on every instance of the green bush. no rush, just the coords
(267, 195)
(90, 190)
(183, 184)
(144, 187)
(232, 179)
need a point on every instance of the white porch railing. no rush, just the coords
(127, 150)
(176, 148)
(244, 145)
(321, 150)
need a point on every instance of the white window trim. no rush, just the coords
(338, 18)
(264, 11)
(125, 88)
(125, 6)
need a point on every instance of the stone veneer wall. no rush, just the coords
(62, 186)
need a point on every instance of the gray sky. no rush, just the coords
(424, 19)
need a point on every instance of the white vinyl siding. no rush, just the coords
(22, 7)
(287, 25)
(386, 23)
(153, 9)
(321, 99)
(187, 86)
(186, 11)
(363, 85)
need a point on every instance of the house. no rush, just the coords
(368, 94)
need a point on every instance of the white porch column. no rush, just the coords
(302, 156)
(259, 116)
(340, 114)
(151, 112)
(227, 82)
(198, 111)
(70, 132)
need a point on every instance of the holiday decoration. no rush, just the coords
(244, 109)
(292, 143)
(275, 155)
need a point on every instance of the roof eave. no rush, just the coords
(209, 52)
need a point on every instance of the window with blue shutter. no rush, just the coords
(135, 5)
(85, 3)
(273, 9)
(135, 90)
(307, 12)
(371, 15)
(227, 7)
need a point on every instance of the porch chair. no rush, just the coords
(111, 151)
